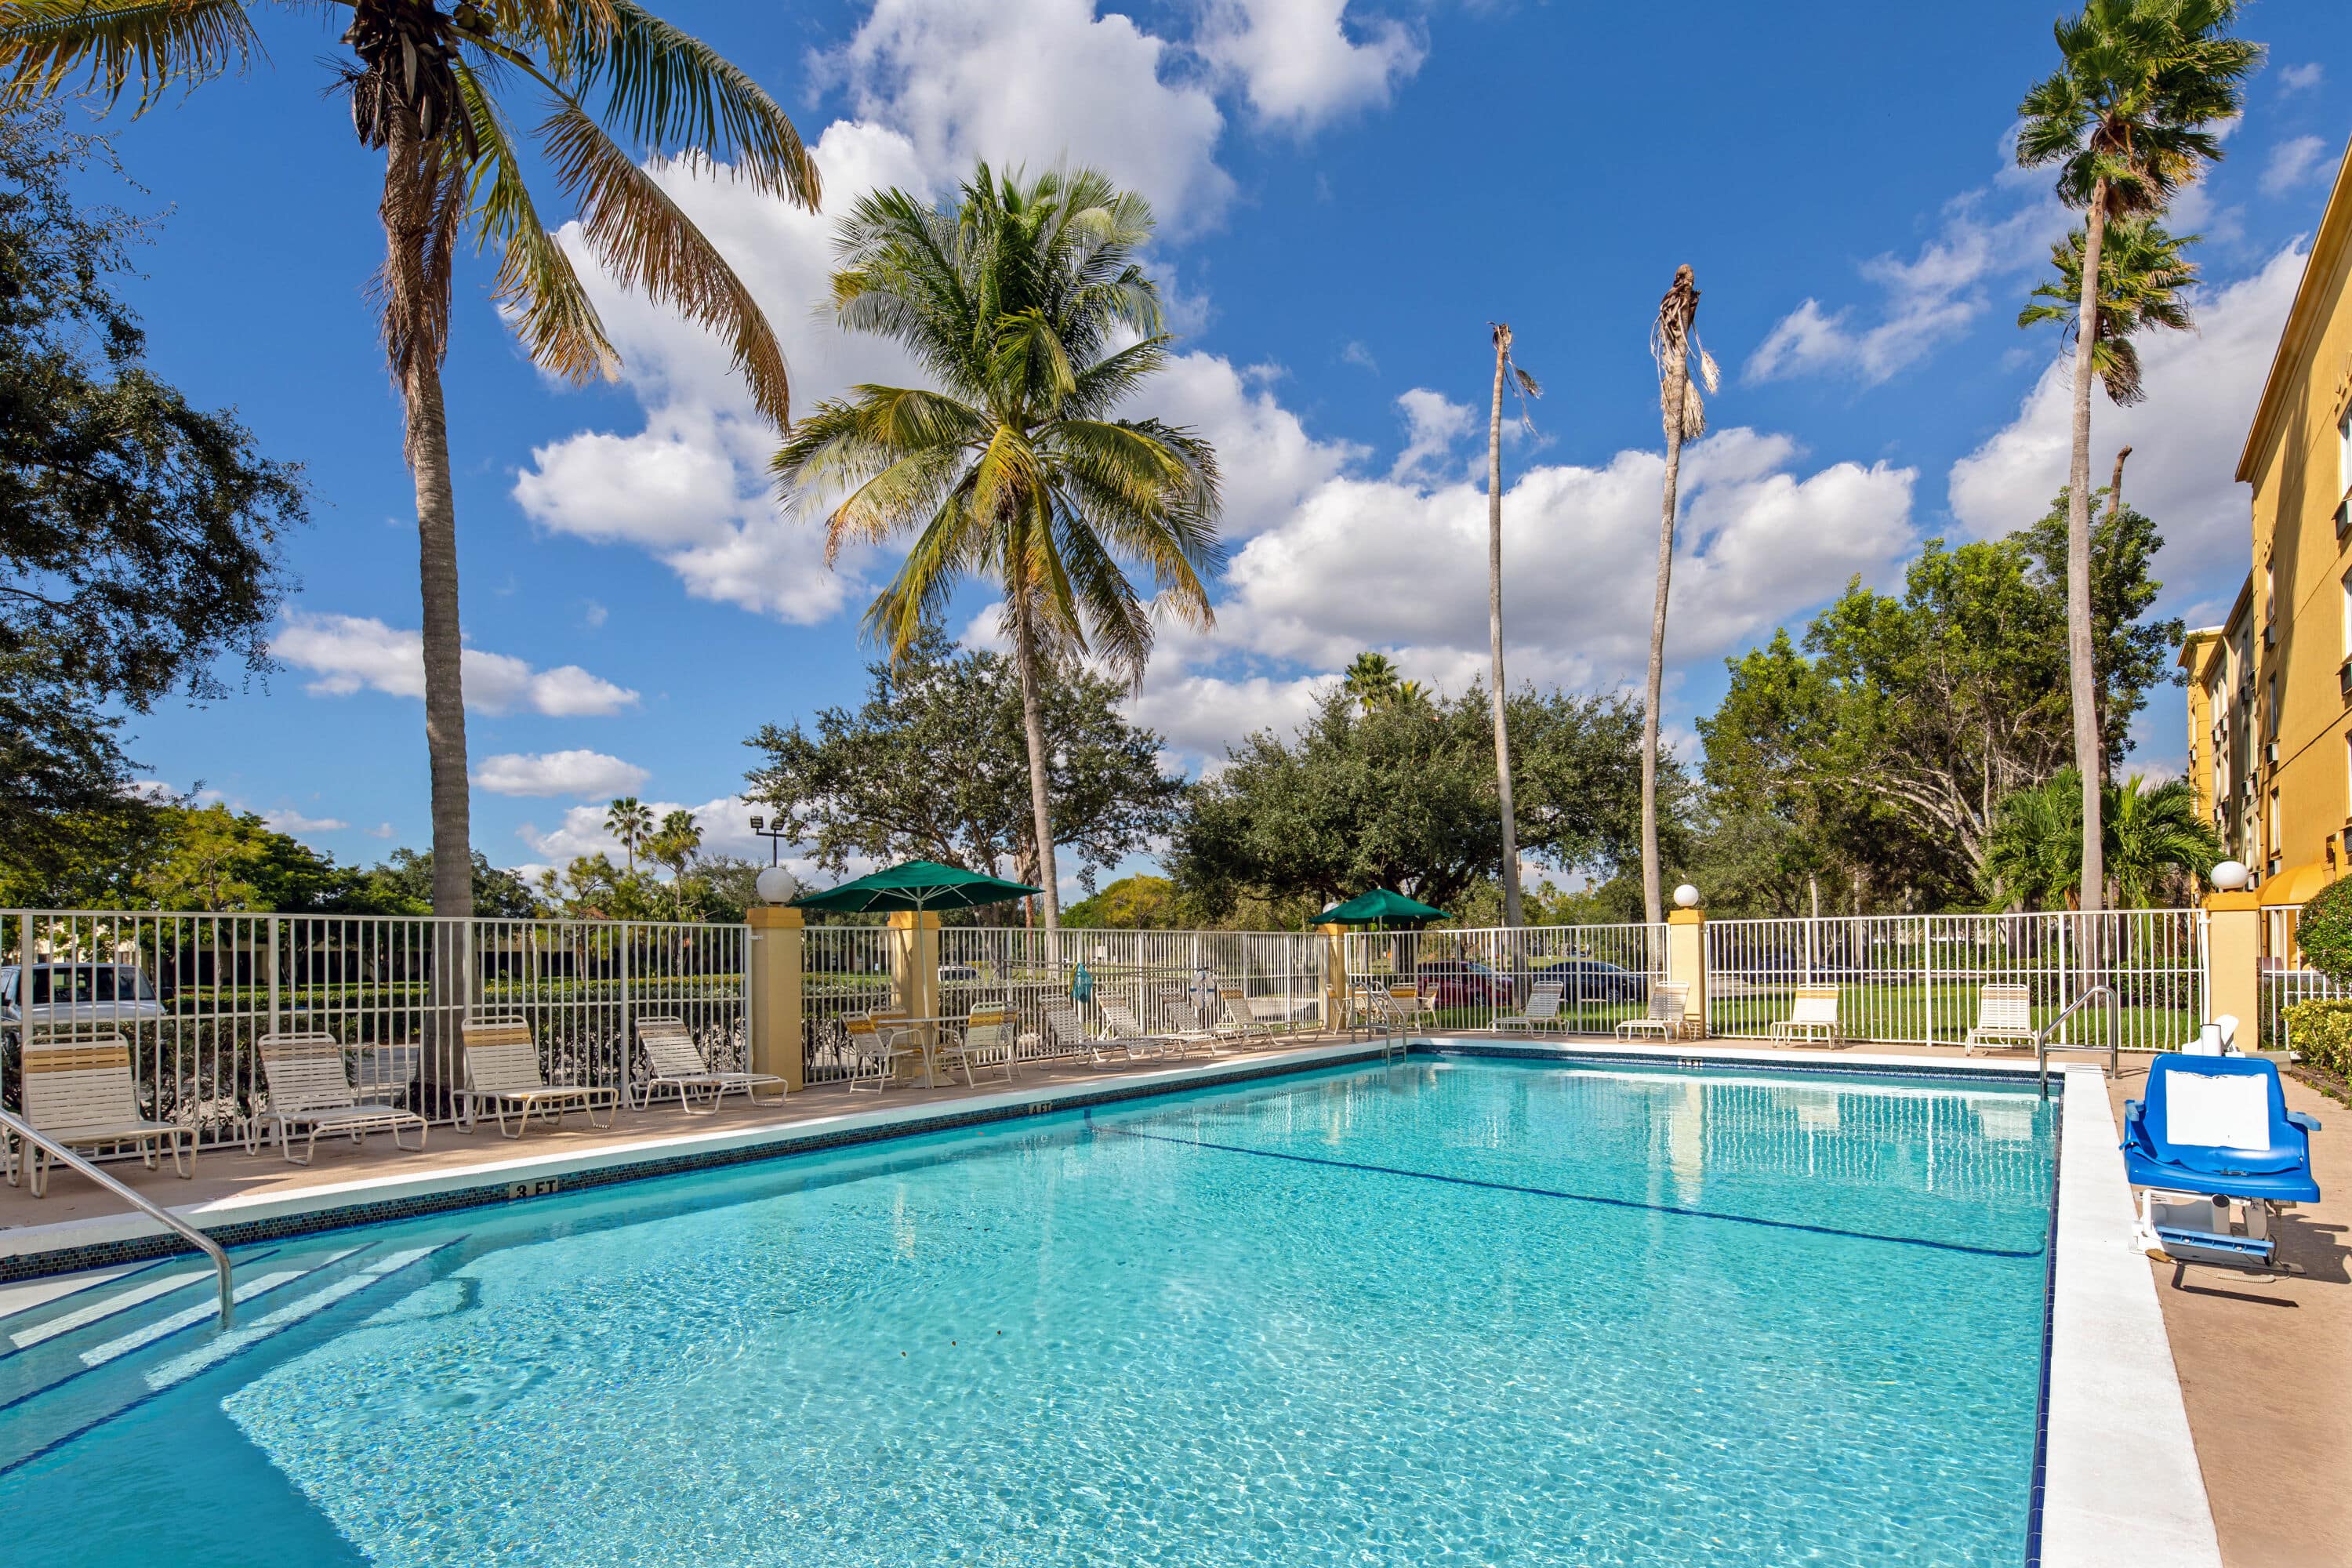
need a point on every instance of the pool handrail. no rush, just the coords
(205, 1244)
(2042, 1035)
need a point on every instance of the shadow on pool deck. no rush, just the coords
(2265, 1361)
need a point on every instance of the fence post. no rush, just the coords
(2233, 947)
(773, 956)
(1335, 977)
(1687, 965)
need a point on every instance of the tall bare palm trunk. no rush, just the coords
(1033, 725)
(2090, 746)
(1677, 368)
(1495, 630)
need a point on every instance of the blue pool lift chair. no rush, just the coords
(2214, 1131)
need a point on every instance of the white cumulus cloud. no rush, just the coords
(573, 773)
(2296, 162)
(1296, 63)
(290, 821)
(354, 653)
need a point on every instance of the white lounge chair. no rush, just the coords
(307, 1089)
(1121, 1028)
(674, 1061)
(80, 1090)
(502, 1069)
(1180, 1020)
(1068, 1036)
(1238, 1020)
(1813, 1016)
(985, 1044)
(2004, 1016)
(1669, 1000)
(1542, 1010)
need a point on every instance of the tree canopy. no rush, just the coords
(143, 535)
(1880, 750)
(1404, 797)
(933, 766)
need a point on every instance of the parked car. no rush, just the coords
(1592, 980)
(958, 974)
(75, 996)
(1463, 983)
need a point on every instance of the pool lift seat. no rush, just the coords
(2213, 1146)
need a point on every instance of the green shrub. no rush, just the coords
(2322, 1033)
(2324, 931)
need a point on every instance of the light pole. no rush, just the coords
(776, 885)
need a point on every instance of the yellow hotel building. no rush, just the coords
(2270, 690)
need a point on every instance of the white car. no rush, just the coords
(75, 997)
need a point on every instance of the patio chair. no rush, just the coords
(1542, 1010)
(502, 1067)
(1180, 1019)
(80, 1090)
(673, 1060)
(1669, 1002)
(1236, 1016)
(878, 1041)
(985, 1043)
(309, 1090)
(1120, 1024)
(2004, 1013)
(1813, 1016)
(2214, 1131)
(1068, 1037)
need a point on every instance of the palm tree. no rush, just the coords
(1504, 371)
(1016, 300)
(1370, 679)
(1672, 339)
(2142, 274)
(2125, 118)
(673, 844)
(1411, 696)
(631, 821)
(424, 86)
(2153, 841)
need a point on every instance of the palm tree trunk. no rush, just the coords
(2090, 746)
(1032, 724)
(1494, 631)
(1653, 905)
(444, 695)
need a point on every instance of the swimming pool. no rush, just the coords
(1454, 1311)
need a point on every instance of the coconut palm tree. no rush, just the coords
(2128, 117)
(1672, 338)
(1505, 372)
(2142, 273)
(2156, 841)
(428, 88)
(631, 821)
(1017, 299)
(1370, 679)
(673, 844)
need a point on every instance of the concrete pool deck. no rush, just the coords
(2264, 1363)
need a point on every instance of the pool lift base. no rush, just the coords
(2192, 1227)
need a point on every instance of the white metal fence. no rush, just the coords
(1917, 979)
(1472, 979)
(2283, 978)
(195, 993)
(844, 970)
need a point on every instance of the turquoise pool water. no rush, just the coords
(1459, 1312)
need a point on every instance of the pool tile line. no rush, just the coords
(2038, 1489)
(1576, 1198)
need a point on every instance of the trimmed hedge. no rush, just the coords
(2324, 930)
(2322, 1033)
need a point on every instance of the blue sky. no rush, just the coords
(1346, 200)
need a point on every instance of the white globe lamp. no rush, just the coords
(1687, 897)
(2229, 876)
(775, 884)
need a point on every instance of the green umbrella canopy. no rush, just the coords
(1379, 904)
(914, 885)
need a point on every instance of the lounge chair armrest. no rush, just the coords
(2132, 1110)
(2304, 1120)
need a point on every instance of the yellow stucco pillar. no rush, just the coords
(774, 957)
(1687, 965)
(1334, 976)
(915, 962)
(2233, 951)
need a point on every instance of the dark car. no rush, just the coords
(1592, 980)
(1463, 983)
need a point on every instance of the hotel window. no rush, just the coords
(2270, 708)
(2348, 614)
(2272, 835)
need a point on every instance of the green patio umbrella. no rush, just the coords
(914, 885)
(1377, 906)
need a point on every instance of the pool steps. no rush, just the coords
(76, 1362)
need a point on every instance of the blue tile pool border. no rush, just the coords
(783, 1144)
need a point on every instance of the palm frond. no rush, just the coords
(159, 44)
(669, 89)
(537, 283)
(633, 228)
